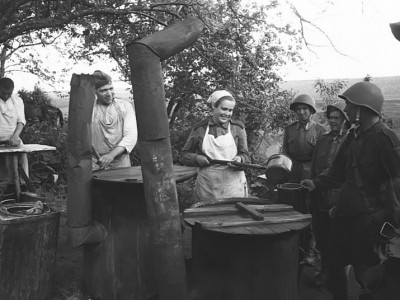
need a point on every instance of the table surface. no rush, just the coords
(26, 148)
(134, 174)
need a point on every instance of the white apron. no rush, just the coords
(219, 181)
(8, 123)
(107, 132)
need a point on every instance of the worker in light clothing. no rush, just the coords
(114, 129)
(218, 138)
(12, 121)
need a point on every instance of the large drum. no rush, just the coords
(122, 266)
(246, 251)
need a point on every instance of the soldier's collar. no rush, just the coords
(306, 126)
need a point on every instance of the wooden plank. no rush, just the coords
(249, 211)
(268, 220)
(221, 210)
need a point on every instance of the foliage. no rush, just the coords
(241, 49)
(37, 96)
(329, 90)
(47, 169)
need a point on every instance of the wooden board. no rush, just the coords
(278, 218)
(27, 148)
(134, 174)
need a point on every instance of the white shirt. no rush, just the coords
(14, 103)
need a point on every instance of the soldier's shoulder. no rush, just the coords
(292, 124)
(321, 127)
(200, 124)
(391, 135)
(238, 123)
(323, 137)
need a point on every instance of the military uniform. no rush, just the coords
(366, 168)
(298, 144)
(322, 201)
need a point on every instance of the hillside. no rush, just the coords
(390, 86)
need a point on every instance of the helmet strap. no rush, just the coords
(342, 127)
(358, 115)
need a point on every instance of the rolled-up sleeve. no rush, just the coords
(130, 134)
(19, 107)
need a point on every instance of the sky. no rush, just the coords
(359, 29)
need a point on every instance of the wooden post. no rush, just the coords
(155, 151)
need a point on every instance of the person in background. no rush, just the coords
(114, 129)
(300, 137)
(322, 201)
(12, 121)
(218, 138)
(299, 141)
(367, 170)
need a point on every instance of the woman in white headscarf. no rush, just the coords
(218, 138)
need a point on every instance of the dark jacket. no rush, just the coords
(366, 166)
(298, 144)
(325, 151)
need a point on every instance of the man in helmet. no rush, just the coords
(322, 201)
(298, 144)
(367, 170)
(300, 137)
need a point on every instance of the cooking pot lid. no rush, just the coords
(226, 218)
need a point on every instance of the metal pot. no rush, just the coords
(293, 194)
(278, 168)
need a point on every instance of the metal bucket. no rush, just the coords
(278, 168)
(292, 194)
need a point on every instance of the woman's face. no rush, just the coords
(223, 112)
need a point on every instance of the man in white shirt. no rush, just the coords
(12, 121)
(114, 129)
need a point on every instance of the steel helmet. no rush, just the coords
(340, 105)
(365, 94)
(395, 27)
(304, 99)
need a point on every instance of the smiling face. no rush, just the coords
(336, 119)
(105, 94)
(303, 112)
(223, 112)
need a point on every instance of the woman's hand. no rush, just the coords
(202, 161)
(236, 168)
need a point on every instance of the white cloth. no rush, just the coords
(220, 181)
(11, 113)
(115, 126)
